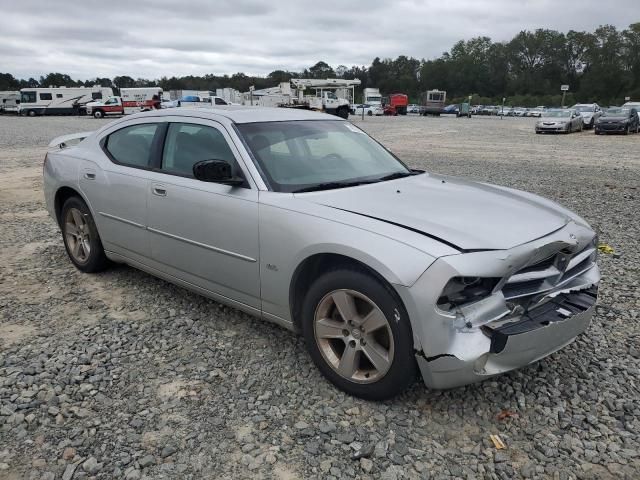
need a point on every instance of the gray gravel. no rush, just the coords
(121, 375)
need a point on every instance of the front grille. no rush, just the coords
(550, 273)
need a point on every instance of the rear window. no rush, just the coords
(96, 95)
(131, 146)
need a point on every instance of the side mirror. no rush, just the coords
(216, 171)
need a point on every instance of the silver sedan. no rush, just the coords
(560, 120)
(302, 219)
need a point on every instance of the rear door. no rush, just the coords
(118, 190)
(204, 233)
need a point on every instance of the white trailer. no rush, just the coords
(9, 102)
(371, 96)
(59, 100)
(331, 95)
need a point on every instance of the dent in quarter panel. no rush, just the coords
(288, 237)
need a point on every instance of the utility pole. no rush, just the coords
(564, 89)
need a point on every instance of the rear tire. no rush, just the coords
(98, 114)
(80, 235)
(369, 113)
(31, 113)
(359, 335)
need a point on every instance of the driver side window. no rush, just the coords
(188, 143)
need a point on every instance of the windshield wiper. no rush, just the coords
(394, 175)
(331, 186)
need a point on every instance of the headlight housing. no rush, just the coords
(461, 291)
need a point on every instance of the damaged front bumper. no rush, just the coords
(545, 298)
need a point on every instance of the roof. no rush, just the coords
(242, 114)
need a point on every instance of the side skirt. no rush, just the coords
(118, 258)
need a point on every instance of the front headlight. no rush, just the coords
(461, 291)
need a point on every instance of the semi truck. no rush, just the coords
(131, 100)
(59, 100)
(331, 95)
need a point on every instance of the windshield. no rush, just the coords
(616, 112)
(301, 155)
(584, 108)
(558, 113)
(373, 98)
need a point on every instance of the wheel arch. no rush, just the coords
(319, 263)
(62, 194)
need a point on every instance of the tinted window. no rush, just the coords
(132, 145)
(188, 143)
(58, 95)
(45, 96)
(220, 101)
(96, 95)
(28, 97)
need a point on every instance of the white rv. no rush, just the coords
(9, 102)
(59, 100)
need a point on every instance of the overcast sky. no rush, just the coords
(154, 38)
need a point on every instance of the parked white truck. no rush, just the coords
(59, 100)
(331, 95)
(9, 102)
(371, 96)
(131, 100)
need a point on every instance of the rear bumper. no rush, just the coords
(544, 331)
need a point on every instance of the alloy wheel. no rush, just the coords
(78, 235)
(353, 336)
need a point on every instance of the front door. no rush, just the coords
(204, 233)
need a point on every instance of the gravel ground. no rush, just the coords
(122, 376)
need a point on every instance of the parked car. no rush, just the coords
(560, 120)
(413, 108)
(537, 112)
(505, 111)
(635, 105)
(520, 112)
(489, 110)
(302, 219)
(590, 113)
(452, 109)
(618, 120)
(368, 110)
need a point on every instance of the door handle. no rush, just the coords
(159, 190)
(90, 175)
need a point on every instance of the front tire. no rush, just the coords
(98, 114)
(80, 235)
(343, 112)
(359, 335)
(31, 113)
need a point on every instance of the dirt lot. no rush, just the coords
(120, 375)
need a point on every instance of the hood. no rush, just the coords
(554, 119)
(463, 214)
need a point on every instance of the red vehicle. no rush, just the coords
(395, 104)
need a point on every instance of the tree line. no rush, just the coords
(601, 66)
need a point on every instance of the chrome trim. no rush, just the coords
(203, 245)
(123, 220)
